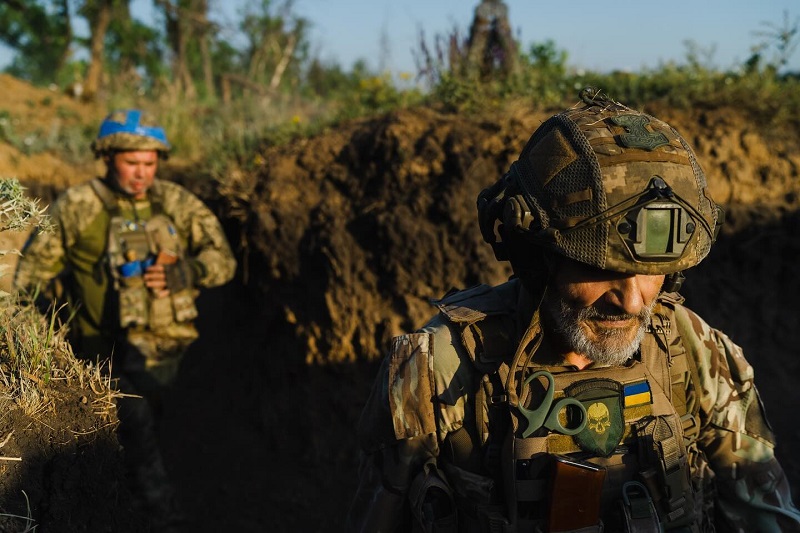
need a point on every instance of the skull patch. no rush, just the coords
(598, 418)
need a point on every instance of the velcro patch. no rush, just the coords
(637, 394)
(411, 385)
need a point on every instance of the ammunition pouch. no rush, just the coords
(432, 505)
(668, 479)
(179, 276)
(132, 248)
(478, 502)
(134, 302)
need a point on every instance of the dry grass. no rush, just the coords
(34, 351)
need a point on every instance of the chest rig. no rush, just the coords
(606, 449)
(132, 246)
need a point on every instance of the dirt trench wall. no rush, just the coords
(350, 233)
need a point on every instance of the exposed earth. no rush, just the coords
(341, 240)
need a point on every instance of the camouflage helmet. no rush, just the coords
(130, 129)
(606, 186)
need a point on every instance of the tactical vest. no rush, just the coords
(627, 460)
(155, 325)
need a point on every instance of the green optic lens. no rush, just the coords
(657, 231)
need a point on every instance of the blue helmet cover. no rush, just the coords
(132, 125)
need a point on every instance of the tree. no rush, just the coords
(277, 43)
(189, 33)
(41, 33)
(98, 14)
(134, 51)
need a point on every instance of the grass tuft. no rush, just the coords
(34, 351)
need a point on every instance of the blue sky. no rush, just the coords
(598, 35)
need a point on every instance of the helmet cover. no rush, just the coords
(129, 129)
(606, 186)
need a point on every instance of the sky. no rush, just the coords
(601, 35)
(597, 35)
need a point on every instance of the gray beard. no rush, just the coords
(613, 348)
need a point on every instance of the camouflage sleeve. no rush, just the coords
(46, 254)
(752, 490)
(207, 245)
(408, 413)
(42, 259)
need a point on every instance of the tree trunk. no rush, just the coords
(203, 29)
(64, 8)
(128, 76)
(99, 20)
(180, 22)
(184, 76)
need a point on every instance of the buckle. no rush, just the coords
(498, 399)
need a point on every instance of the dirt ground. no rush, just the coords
(343, 238)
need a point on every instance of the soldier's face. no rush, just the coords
(135, 171)
(598, 314)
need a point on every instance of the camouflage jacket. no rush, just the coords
(420, 399)
(76, 250)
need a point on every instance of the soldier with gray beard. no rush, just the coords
(581, 395)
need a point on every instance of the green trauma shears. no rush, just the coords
(546, 415)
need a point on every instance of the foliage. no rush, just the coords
(544, 80)
(40, 32)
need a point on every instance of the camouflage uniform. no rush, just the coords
(444, 427)
(145, 359)
(426, 392)
(78, 249)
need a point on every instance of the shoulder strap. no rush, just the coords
(483, 316)
(156, 197)
(106, 195)
(662, 343)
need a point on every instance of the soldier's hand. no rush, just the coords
(155, 278)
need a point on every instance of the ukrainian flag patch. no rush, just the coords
(637, 394)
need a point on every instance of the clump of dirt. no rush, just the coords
(60, 468)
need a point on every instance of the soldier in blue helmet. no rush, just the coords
(131, 252)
